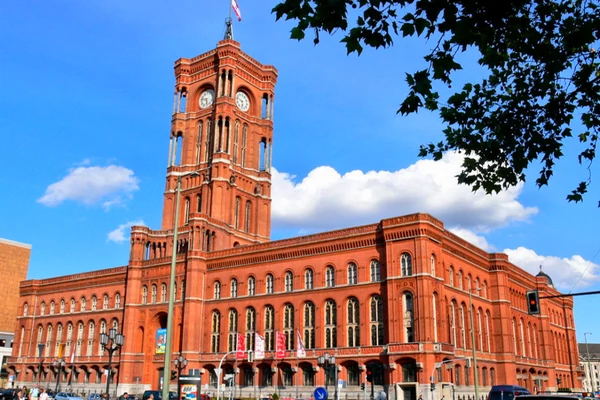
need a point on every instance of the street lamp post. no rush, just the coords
(171, 305)
(180, 363)
(327, 361)
(475, 377)
(60, 364)
(589, 368)
(111, 343)
(40, 351)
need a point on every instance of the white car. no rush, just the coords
(66, 396)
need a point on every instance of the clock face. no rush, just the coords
(242, 101)
(207, 98)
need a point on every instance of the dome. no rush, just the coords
(542, 274)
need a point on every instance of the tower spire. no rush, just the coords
(228, 28)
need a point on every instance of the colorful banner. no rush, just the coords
(259, 347)
(161, 341)
(301, 352)
(241, 347)
(61, 350)
(280, 352)
(189, 391)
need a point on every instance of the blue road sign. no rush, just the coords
(320, 393)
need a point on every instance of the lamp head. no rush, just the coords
(119, 339)
(112, 333)
(103, 339)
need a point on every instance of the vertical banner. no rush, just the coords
(259, 347)
(241, 347)
(61, 350)
(301, 352)
(280, 351)
(161, 341)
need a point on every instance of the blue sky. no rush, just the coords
(86, 93)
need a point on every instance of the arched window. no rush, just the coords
(233, 289)
(329, 276)
(408, 312)
(82, 304)
(375, 271)
(376, 316)
(79, 343)
(52, 305)
(289, 281)
(236, 140)
(352, 274)
(451, 276)
(459, 277)
(62, 306)
(288, 326)
(48, 340)
(250, 327)
(72, 309)
(269, 284)
(434, 303)
(118, 300)
(432, 264)
(105, 303)
(215, 332)
(236, 215)
(94, 303)
(463, 327)
(154, 293)
(59, 333)
(269, 328)
(42, 308)
(330, 324)
(353, 322)
(309, 325)
(308, 278)
(144, 294)
(233, 329)
(247, 217)
(251, 286)
(244, 138)
(453, 310)
(186, 211)
(163, 292)
(91, 334)
(217, 290)
(25, 309)
(405, 265)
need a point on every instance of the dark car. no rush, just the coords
(507, 392)
(158, 395)
(8, 394)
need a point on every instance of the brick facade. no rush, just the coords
(394, 293)
(14, 263)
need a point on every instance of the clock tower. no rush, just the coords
(221, 148)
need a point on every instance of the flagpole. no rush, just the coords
(297, 363)
(230, 7)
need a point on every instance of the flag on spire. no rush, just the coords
(236, 9)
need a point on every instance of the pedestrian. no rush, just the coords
(43, 394)
(34, 393)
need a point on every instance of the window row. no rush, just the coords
(83, 304)
(59, 341)
(163, 293)
(309, 319)
(309, 281)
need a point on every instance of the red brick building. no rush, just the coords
(395, 293)
(14, 263)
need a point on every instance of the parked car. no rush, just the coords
(7, 394)
(94, 396)
(507, 392)
(158, 395)
(66, 396)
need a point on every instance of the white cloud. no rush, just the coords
(118, 235)
(325, 199)
(91, 185)
(566, 273)
(473, 238)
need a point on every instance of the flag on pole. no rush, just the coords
(280, 350)
(301, 352)
(236, 9)
(241, 347)
(61, 349)
(259, 347)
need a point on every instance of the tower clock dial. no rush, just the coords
(242, 101)
(207, 98)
